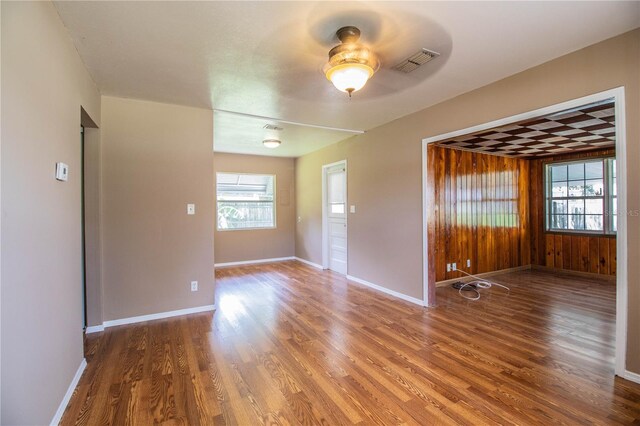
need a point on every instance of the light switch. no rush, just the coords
(352, 209)
(191, 209)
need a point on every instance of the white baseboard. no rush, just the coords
(386, 290)
(94, 329)
(252, 262)
(67, 396)
(160, 315)
(631, 376)
(315, 265)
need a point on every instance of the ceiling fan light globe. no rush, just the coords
(349, 77)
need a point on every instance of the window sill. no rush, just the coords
(247, 229)
(580, 234)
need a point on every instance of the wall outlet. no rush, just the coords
(352, 209)
(194, 285)
(454, 267)
(448, 267)
(468, 263)
(299, 219)
(191, 209)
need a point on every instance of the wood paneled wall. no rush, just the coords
(584, 253)
(480, 210)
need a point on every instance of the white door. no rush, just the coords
(337, 218)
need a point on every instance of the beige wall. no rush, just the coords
(44, 85)
(237, 246)
(385, 235)
(156, 158)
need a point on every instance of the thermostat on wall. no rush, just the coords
(62, 172)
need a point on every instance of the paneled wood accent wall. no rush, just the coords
(480, 210)
(584, 253)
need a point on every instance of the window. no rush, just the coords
(245, 201)
(336, 190)
(581, 196)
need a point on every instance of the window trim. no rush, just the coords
(608, 188)
(607, 207)
(275, 209)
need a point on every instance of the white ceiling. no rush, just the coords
(265, 58)
(244, 135)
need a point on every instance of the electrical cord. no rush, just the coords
(477, 284)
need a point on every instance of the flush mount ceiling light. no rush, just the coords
(351, 64)
(271, 143)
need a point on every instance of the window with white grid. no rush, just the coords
(245, 201)
(581, 196)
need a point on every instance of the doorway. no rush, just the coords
(334, 217)
(90, 254)
(83, 243)
(554, 216)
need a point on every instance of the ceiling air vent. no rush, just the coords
(272, 127)
(413, 62)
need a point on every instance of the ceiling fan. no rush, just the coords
(351, 64)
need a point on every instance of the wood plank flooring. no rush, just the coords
(290, 344)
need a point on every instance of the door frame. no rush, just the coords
(325, 212)
(618, 95)
(83, 231)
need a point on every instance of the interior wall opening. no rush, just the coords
(540, 190)
(89, 175)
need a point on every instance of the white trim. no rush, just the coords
(160, 315)
(425, 236)
(325, 214)
(252, 262)
(295, 123)
(315, 265)
(273, 203)
(67, 396)
(622, 299)
(631, 376)
(621, 239)
(94, 329)
(574, 103)
(386, 290)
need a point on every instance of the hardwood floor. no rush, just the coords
(290, 344)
